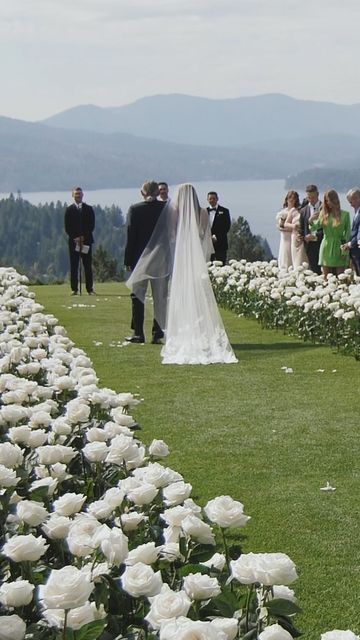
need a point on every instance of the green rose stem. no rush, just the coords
(247, 605)
(66, 611)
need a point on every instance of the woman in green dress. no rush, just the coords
(335, 224)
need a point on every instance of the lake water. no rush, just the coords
(257, 201)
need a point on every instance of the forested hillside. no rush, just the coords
(32, 238)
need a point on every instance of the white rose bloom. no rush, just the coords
(147, 553)
(66, 588)
(77, 411)
(20, 435)
(226, 512)
(229, 626)
(100, 509)
(185, 629)
(171, 552)
(158, 449)
(13, 414)
(115, 547)
(142, 495)
(40, 419)
(51, 454)
(112, 429)
(114, 497)
(58, 471)
(196, 528)
(176, 493)
(267, 568)
(68, 504)
(50, 483)
(37, 438)
(8, 477)
(61, 427)
(16, 594)
(201, 587)
(31, 513)
(175, 515)
(81, 538)
(76, 618)
(137, 459)
(95, 451)
(56, 527)
(275, 632)
(122, 449)
(96, 435)
(166, 605)
(25, 548)
(338, 634)
(121, 418)
(218, 561)
(10, 455)
(12, 628)
(130, 521)
(64, 383)
(280, 591)
(156, 474)
(141, 580)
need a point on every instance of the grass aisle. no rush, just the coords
(267, 438)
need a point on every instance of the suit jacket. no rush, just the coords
(305, 214)
(355, 232)
(80, 222)
(142, 218)
(220, 227)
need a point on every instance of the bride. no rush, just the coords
(194, 331)
(181, 245)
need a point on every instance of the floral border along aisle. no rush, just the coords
(100, 540)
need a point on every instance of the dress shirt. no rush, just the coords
(212, 213)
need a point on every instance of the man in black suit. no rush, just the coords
(142, 219)
(79, 226)
(220, 223)
(312, 240)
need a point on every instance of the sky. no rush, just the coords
(57, 54)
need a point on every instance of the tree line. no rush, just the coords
(33, 240)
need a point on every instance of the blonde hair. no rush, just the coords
(330, 208)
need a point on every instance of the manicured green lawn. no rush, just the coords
(267, 438)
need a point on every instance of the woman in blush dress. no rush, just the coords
(336, 226)
(292, 223)
(284, 257)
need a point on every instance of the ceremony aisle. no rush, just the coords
(270, 431)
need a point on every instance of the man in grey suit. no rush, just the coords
(353, 246)
(312, 240)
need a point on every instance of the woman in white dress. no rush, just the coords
(292, 223)
(284, 257)
(194, 331)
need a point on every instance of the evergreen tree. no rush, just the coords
(243, 244)
(104, 266)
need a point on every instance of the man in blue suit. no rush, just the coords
(353, 198)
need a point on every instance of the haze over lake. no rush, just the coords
(257, 201)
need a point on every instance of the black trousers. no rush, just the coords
(355, 259)
(219, 256)
(312, 252)
(74, 267)
(159, 290)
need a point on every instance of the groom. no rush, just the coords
(220, 223)
(142, 219)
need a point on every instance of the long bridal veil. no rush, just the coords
(194, 333)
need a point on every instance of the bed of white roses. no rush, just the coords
(299, 301)
(100, 539)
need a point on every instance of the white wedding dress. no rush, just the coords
(194, 331)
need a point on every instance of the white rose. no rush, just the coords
(25, 548)
(175, 515)
(100, 509)
(176, 493)
(267, 568)
(16, 594)
(115, 547)
(196, 528)
(82, 532)
(130, 521)
(167, 604)
(171, 552)
(218, 561)
(114, 497)
(31, 513)
(144, 494)
(228, 625)
(48, 482)
(141, 580)
(185, 629)
(280, 591)
(56, 527)
(337, 634)
(52, 454)
(12, 628)
(13, 413)
(64, 383)
(66, 588)
(61, 427)
(158, 449)
(96, 435)
(201, 587)
(226, 512)
(20, 435)
(10, 455)
(76, 618)
(8, 477)
(37, 438)
(275, 632)
(77, 411)
(147, 553)
(122, 448)
(95, 451)
(68, 504)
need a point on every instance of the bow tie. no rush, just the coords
(212, 210)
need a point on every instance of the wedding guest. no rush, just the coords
(79, 226)
(292, 223)
(335, 224)
(142, 219)
(284, 256)
(353, 246)
(312, 240)
(163, 191)
(220, 223)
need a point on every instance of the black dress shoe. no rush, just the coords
(156, 341)
(136, 339)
